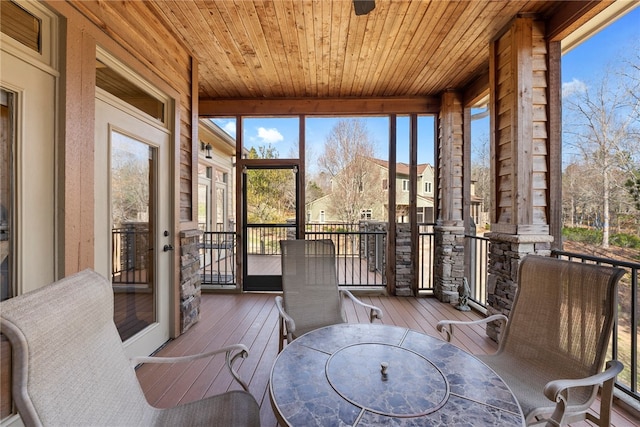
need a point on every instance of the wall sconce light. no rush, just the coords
(206, 148)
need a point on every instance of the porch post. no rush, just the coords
(520, 161)
(449, 230)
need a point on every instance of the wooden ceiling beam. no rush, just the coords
(570, 15)
(318, 106)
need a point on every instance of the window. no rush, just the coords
(366, 214)
(110, 80)
(427, 187)
(405, 185)
(385, 184)
(21, 25)
(321, 216)
(7, 181)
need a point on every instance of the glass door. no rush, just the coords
(269, 215)
(133, 214)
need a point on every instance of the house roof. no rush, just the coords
(258, 49)
(401, 168)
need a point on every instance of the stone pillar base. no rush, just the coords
(190, 282)
(405, 270)
(505, 254)
(448, 268)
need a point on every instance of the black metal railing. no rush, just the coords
(264, 239)
(426, 256)
(624, 343)
(218, 258)
(476, 266)
(131, 252)
(360, 253)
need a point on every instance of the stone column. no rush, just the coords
(449, 230)
(190, 282)
(505, 254)
(448, 266)
(405, 270)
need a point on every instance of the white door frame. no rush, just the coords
(114, 115)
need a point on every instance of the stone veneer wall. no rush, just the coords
(505, 254)
(370, 248)
(448, 266)
(405, 272)
(190, 289)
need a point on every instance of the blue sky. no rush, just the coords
(580, 66)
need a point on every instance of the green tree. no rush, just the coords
(270, 192)
(633, 185)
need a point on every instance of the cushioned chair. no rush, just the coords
(555, 341)
(70, 368)
(311, 298)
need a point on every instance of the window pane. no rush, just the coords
(117, 85)
(20, 25)
(271, 138)
(6, 285)
(6, 192)
(133, 187)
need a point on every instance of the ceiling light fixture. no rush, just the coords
(362, 7)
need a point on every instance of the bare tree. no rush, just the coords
(348, 160)
(481, 171)
(602, 127)
(129, 186)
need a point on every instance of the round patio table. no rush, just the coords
(373, 374)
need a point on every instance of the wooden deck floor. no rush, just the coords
(252, 319)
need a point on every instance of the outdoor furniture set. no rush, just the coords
(70, 367)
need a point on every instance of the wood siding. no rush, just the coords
(519, 134)
(162, 56)
(450, 160)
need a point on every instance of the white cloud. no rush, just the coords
(574, 86)
(269, 135)
(230, 128)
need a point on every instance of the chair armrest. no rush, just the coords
(232, 352)
(554, 389)
(288, 320)
(374, 312)
(446, 328)
(557, 391)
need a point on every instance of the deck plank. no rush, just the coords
(252, 319)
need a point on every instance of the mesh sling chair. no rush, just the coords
(311, 298)
(555, 341)
(70, 367)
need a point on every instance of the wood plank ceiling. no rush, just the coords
(256, 49)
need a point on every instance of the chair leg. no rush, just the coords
(606, 401)
(282, 336)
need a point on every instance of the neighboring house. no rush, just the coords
(375, 207)
(320, 211)
(216, 177)
(479, 212)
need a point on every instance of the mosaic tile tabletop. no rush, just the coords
(372, 374)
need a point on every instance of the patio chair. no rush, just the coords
(555, 341)
(70, 367)
(311, 297)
